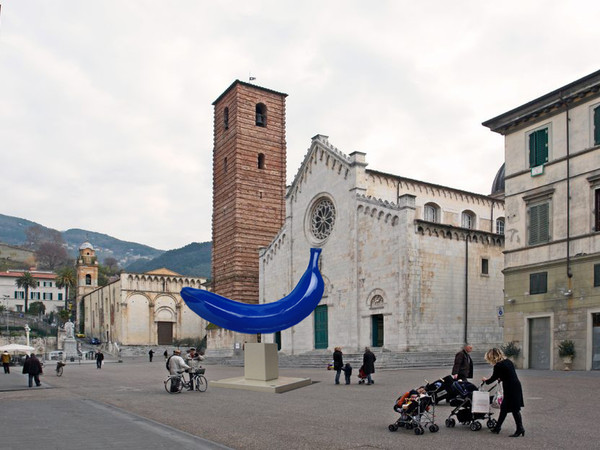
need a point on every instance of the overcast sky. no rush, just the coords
(105, 106)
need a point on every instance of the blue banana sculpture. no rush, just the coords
(266, 317)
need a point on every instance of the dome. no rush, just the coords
(498, 184)
(86, 245)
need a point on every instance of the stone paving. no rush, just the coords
(124, 405)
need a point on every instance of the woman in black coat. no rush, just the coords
(504, 371)
(369, 359)
(338, 363)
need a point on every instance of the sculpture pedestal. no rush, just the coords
(261, 372)
(70, 348)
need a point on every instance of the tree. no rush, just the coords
(51, 255)
(66, 278)
(37, 308)
(26, 281)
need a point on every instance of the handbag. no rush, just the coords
(498, 397)
(330, 366)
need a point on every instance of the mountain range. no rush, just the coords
(191, 260)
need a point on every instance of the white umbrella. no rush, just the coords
(17, 348)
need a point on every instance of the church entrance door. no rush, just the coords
(377, 327)
(321, 331)
(165, 333)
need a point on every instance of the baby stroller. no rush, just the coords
(417, 411)
(463, 405)
(441, 389)
(362, 376)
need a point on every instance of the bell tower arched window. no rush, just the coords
(261, 160)
(226, 118)
(88, 280)
(261, 115)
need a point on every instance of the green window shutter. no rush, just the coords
(532, 150)
(538, 147)
(539, 224)
(596, 274)
(597, 126)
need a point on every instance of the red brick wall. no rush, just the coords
(248, 202)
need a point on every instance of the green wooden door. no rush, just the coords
(377, 330)
(321, 333)
(278, 340)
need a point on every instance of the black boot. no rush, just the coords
(519, 421)
(498, 427)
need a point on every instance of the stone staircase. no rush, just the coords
(385, 359)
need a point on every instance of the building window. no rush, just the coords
(322, 219)
(539, 223)
(225, 165)
(34, 295)
(597, 125)
(19, 308)
(261, 115)
(500, 226)
(47, 296)
(60, 296)
(596, 275)
(538, 147)
(20, 295)
(226, 118)
(596, 209)
(538, 283)
(468, 220)
(485, 266)
(431, 213)
(261, 160)
(88, 280)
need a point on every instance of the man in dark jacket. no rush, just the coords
(33, 367)
(369, 359)
(463, 364)
(99, 359)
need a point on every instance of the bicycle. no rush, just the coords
(174, 384)
(59, 368)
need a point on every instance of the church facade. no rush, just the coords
(408, 265)
(136, 308)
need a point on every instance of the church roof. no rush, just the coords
(163, 271)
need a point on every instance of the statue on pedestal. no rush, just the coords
(69, 329)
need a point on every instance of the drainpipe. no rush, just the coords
(569, 273)
(466, 287)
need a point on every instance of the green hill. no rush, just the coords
(192, 260)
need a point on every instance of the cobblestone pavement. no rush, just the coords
(125, 406)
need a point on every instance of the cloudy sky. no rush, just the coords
(106, 115)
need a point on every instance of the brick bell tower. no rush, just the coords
(249, 174)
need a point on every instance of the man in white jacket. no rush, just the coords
(176, 364)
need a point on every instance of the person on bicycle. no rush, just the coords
(193, 359)
(176, 364)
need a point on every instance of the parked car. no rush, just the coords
(95, 341)
(80, 335)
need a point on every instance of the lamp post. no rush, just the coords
(27, 330)
(6, 310)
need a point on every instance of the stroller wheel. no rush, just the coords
(450, 423)
(491, 423)
(434, 428)
(419, 431)
(474, 426)
(393, 427)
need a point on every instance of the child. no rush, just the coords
(347, 372)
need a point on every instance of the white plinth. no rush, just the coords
(261, 361)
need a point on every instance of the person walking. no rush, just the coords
(6, 361)
(338, 363)
(512, 402)
(369, 359)
(33, 368)
(347, 372)
(99, 359)
(166, 354)
(150, 354)
(463, 364)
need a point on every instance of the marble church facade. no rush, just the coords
(408, 265)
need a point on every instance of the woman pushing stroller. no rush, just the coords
(504, 370)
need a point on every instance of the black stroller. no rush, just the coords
(463, 405)
(441, 389)
(417, 414)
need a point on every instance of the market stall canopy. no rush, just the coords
(16, 348)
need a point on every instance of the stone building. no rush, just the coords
(136, 308)
(552, 255)
(408, 265)
(249, 170)
(13, 298)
